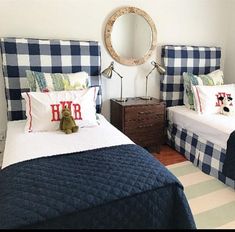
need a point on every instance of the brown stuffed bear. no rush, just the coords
(67, 123)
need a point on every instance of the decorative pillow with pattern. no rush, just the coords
(46, 82)
(213, 78)
(207, 97)
(43, 110)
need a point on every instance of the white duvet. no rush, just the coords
(214, 127)
(22, 146)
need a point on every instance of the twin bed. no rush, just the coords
(202, 139)
(96, 178)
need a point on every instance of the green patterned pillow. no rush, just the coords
(213, 78)
(46, 82)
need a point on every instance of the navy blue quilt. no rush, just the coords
(113, 187)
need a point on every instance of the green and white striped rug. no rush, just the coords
(212, 202)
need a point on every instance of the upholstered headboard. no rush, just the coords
(181, 58)
(51, 56)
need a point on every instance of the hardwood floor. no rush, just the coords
(169, 156)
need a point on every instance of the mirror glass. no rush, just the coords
(131, 36)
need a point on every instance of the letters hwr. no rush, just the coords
(75, 109)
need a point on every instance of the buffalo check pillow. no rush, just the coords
(206, 97)
(43, 110)
(45, 82)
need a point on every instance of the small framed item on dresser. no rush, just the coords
(143, 121)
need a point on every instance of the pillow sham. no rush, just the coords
(206, 97)
(46, 82)
(43, 110)
(213, 78)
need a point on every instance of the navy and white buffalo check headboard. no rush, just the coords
(51, 56)
(178, 59)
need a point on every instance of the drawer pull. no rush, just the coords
(146, 112)
(144, 126)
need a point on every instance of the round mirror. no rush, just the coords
(130, 36)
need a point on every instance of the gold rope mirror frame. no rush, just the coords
(109, 29)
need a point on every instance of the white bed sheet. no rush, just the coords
(22, 146)
(216, 127)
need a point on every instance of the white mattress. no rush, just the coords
(22, 146)
(216, 127)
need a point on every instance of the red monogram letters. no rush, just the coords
(56, 108)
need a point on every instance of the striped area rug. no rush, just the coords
(212, 202)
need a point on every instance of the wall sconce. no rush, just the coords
(108, 74)
(161, 70)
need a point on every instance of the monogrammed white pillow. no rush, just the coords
(43, 110)
(206, 97)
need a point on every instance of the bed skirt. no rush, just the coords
(204, 154)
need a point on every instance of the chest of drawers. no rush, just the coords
(143, 121)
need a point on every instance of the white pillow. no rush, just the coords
(213, 78)
(43, 110)
(206, 97)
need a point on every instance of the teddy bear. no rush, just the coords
(67, 123)
(226, 107)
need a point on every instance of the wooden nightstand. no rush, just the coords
(143, 121)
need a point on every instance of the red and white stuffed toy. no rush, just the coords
(226, 107)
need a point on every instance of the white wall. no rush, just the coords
(229, 69)
(191, 22)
